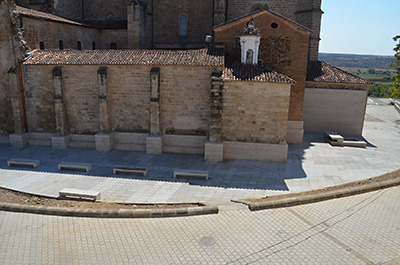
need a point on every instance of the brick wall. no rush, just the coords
(255, 112)
(283, 49)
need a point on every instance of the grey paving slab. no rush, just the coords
(314, 164)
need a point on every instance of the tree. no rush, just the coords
(371, 71)
(395, 88)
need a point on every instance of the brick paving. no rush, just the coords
(363, 229)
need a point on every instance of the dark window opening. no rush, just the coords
(183, 25)
(79, 45)
(61, 45)
(249, 56)
(113, 46)
(41, 45)
(94, 45)
(274, 25)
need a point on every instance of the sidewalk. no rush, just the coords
(314, 164)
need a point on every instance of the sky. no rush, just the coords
(360, 26)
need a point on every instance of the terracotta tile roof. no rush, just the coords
(201, 57)
(241, 72)
(319, 71)
(46, 16)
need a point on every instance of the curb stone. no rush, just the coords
(121, 213)
(318, 196)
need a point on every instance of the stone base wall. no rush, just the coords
(295, 132)
(255, 151)
(183, 144)
(213, 152)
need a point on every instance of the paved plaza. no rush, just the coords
(314, 164)
(362, 229)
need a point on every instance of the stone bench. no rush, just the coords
(141, 171)
(17, 162)
(190, 173)
(75, 193)
(75, 166)
(336, 139)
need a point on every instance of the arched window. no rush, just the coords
(258, 7)
(110, 17)
(61, 45)
(249, 56)
(41, 45)
(79, 46)
(183, 25)
(94, 45)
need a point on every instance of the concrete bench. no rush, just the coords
(17, 162)
(141, 171)
(190, 173)
(74, 166)
(75, 193)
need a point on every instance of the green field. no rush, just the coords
(381, 76)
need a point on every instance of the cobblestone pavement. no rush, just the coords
(363, 229)
(312, 165)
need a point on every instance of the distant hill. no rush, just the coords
(357, 61)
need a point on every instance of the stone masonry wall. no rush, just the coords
(6, 62)
(185, 99)
(99, 9)
(255, 112)
(39, 99)
(117, 36)
(239, 8)
(51, 33)
(166, 21)
(129, 98)
(283, 49)
(81, 97)
(71, 9)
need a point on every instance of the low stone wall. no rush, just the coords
(183, 144)
(130, 141)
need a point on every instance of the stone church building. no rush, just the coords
(226, 79)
